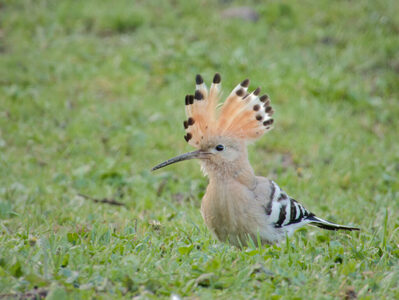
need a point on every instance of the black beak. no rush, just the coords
(185, 156)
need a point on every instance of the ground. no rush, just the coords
(92, 96)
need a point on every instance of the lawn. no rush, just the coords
(92, 96)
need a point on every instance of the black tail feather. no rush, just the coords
(328, 225)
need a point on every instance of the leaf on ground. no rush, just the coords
(205, 280)
(260, 268)
(104, 200)
(350, 293)
(242, 12)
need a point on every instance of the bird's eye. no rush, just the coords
(219, 147)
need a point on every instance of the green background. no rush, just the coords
(92, 96)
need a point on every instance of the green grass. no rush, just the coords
(91, 97)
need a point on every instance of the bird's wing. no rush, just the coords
(285, 212)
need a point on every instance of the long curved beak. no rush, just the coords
(185, 156)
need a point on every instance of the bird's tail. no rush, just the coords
(315, 221)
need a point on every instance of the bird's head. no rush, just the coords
(221, 135)
(216, 151)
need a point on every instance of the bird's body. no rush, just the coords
(238, 205)
(263, 210)
(238, 213)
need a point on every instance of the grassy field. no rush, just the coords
(91, 97)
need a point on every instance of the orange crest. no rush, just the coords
(243, 115)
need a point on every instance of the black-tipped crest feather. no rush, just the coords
(198, 79)
(245, 83)
(217, 78)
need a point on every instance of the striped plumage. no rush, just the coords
(285, 212)
(238, 204)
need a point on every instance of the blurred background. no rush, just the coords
(92, 96)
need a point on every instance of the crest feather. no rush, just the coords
(243, 115)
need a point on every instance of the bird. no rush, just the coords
(239, 206)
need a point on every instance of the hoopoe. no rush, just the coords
(238, 205)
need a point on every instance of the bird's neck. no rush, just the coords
(241, 172)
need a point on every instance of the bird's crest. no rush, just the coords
(243, 115)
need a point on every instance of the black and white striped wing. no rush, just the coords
(285, 211)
